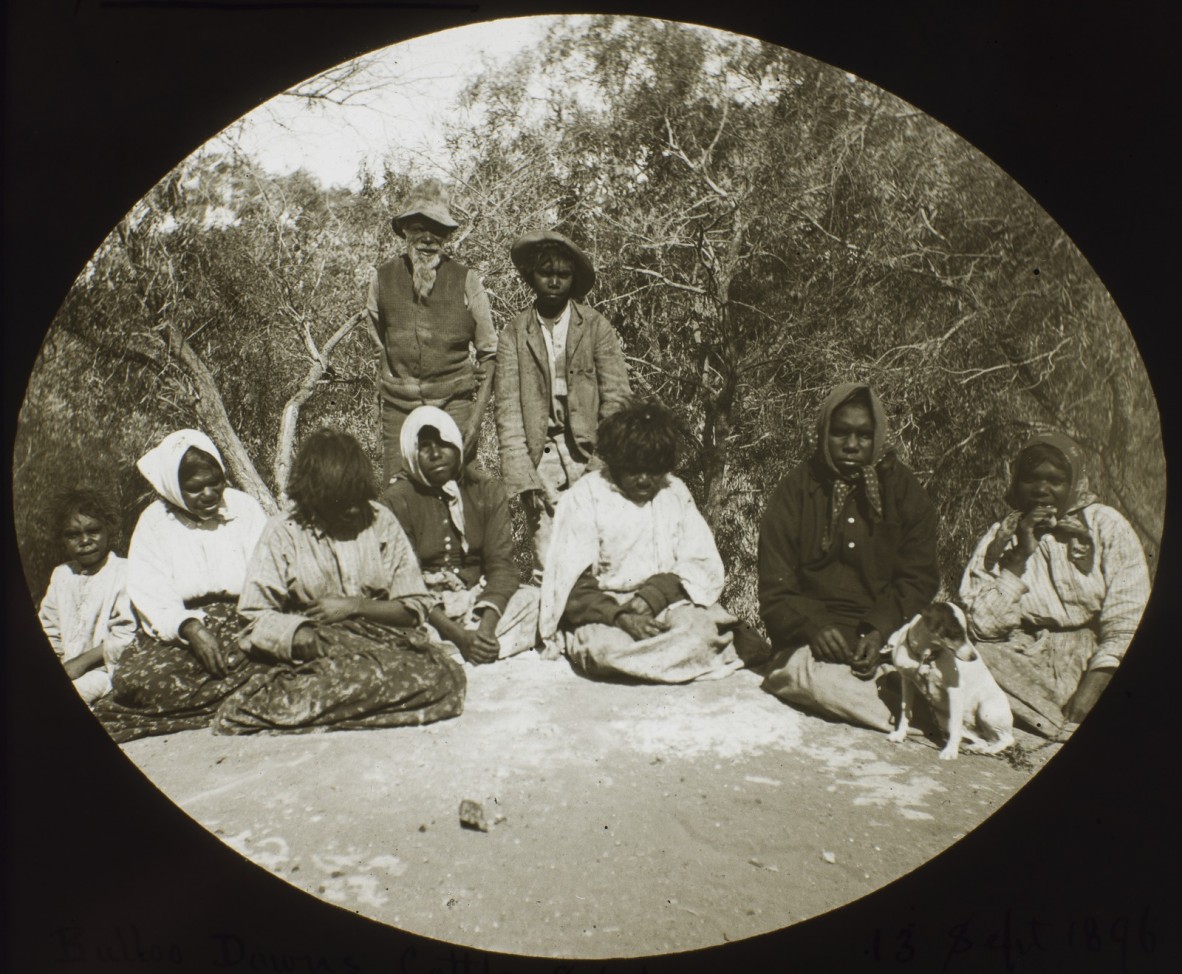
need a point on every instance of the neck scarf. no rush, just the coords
(161, 465)
(420, 418)
(1071, 525)
(867, 476)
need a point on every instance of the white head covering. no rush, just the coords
(420, 418)
(161, 465)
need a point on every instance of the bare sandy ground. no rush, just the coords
(624, 820)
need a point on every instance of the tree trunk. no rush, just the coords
(290, 420)
(716, 441)
(216, 422)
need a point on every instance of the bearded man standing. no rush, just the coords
(428, 309)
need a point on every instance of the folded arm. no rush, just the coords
(991, 597)
(150, 581)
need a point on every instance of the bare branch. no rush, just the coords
(972, 374)
(661, 277)
(924, 216)
(291, 411)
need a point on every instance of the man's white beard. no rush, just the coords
(423, 270)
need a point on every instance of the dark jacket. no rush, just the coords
(876, 572)
(424, 517)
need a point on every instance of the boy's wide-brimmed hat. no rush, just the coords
(429, 200)
(584, 273)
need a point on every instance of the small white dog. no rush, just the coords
(935, 658)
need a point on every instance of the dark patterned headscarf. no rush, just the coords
(1071, 526)
(867, 476)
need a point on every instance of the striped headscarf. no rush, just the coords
(867, 476)
(1071, 526)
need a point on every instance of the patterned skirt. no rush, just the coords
(1039, 671)
(369, 676)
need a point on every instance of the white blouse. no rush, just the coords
(174, 558)
(81, 612)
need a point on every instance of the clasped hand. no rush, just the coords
(829, 645)
(335, 608)
(638, 622)
(481, 645)
(1037, 518)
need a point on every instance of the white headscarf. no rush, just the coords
(161, 465)
(420, 418)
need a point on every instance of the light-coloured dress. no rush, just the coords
(624, 544)
(369, 674)
(180, 567)
(83, 611)
(1065, 615)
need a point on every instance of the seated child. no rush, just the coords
(86, 612)
(633, 579)
(461, 533)
(561, 372)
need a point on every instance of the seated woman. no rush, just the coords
(186, 564)
(847, 554)
(462, 535)
(632, 576)
(333, 595)
(1054, 591)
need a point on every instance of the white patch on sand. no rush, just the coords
(520, 702)
(713, 728)
(364, 890)
(882, 783)
(391, 864)
(348, 878)
(270, 852)
(239, 842)
(330, 864)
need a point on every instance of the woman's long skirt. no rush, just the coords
(160, 688)
(369, 676)
(1039, 672)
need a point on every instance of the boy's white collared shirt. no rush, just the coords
(555, 338)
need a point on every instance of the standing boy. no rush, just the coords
(561, 373)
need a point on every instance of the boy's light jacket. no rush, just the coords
(597, 385)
